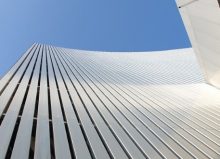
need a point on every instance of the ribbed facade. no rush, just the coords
(64, 103)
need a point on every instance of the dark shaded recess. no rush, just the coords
(15, 131)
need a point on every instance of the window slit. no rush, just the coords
(33, 133)
(97, 130)
(62, 109)
(1, 91)
(52, 149)
(33, 138)
(128, 155)
(13, 138)
(15, 131)
(77, 116)
(15, 90)
(8, 104)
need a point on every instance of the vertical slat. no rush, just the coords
(210, 152)
(24, 132)
(42, 143)
(60, 136)
(210, 145)
(77, 139)
(6, 95)
(63, 103)
(109, 92)
(133, 150)
(114, 147)
(9, 121)
(5, 79)
(97, 148)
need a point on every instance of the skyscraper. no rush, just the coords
(65, 103)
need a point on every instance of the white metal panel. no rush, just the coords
(14, 68)
(8, 124)
(60, 137)
(96, 143)
(211, 153)
(116, 128)
(202, 22)
(129, 107)
(78, 141)
(26, 123)
(112, 105)
(181, 141)
(42, 130)
(5, 96)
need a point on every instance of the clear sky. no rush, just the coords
(108, 25)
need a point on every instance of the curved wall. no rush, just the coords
(65, 103)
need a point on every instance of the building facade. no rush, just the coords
(64, 103)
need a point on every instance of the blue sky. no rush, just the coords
(108, 25)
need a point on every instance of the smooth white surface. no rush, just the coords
(202, 22)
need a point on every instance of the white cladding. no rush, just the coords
(202, 22)
(64, 103)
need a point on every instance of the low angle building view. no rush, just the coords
(64, 103)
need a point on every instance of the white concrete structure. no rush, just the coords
(202, 22)
(63, 103)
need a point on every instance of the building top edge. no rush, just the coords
(123, 52)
